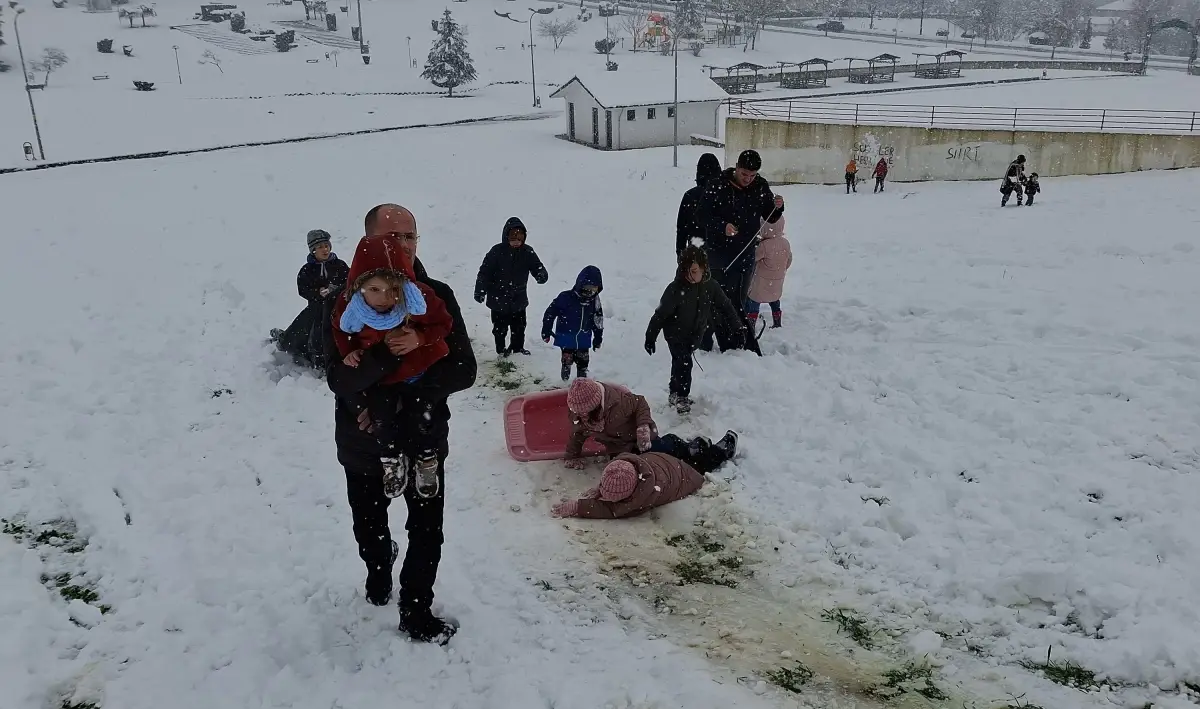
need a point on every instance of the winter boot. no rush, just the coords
(729, 443)
(425, 475)
(776, 319)
(379, 581)
(581, 370)
(752, 317)
(566, 371)
(424, 627)
(519, 350)
(395, 476)
(276, 334)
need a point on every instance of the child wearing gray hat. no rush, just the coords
(319, 282)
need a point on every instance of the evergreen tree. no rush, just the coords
(1087, 36)
(448, 64)
(3, 66)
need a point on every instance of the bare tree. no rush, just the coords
(210, 57)
(557, 30)
(757, 12)
(52, 59)
(635, 25)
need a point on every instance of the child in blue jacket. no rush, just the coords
(575, 320)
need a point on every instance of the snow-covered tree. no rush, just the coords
(557, 30)
(756, 14)
(211, 57)
(3, 66)
(635, 25)
(1086, 42)
(986, 19)
(448, 64)
(52, 59)
(687, 23)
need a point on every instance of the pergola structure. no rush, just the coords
(946, 64)
(740, 78)
(878, 70)
(807, 75)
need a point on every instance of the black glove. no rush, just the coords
(650, 347)
(480, 297)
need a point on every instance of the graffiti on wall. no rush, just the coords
(964, 153)
(869, 150)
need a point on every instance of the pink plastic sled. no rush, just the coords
(537, 427)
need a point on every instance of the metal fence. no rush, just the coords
(1101, 120)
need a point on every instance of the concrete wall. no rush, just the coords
(817, 153)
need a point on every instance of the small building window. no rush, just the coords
(631, 114)
(670, 111)
(649, 114)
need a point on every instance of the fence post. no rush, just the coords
(1015, 119)
(1193, 127)
(932, 109)
(856, 115)
(1103, 114)
(789, 111)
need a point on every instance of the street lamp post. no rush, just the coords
(675, 109)
(410, 63)
(361, 34)
(25, 76)
(532, 65)
(178, 72)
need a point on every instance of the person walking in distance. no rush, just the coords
(880, 174)
(734, 207)
(852, 176)
(1014, 181)
(358, 451)
(504, 282)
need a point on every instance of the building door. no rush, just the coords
(608, 129)
(595, 126)
(571, 120)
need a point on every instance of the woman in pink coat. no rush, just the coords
(772, 260)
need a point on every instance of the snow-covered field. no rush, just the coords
(978, 429)
(977, 423)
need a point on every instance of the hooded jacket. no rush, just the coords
(383, 253)
(688, 226)
(661, 479)
(576, 322)
(745, 208)
(881, 168)
(772, 260)
(315, 275)
(686, 310)
(615, 425)
(505, 271)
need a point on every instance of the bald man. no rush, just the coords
(358, 451)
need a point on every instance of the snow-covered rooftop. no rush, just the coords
(617, 89)
(1116, 6)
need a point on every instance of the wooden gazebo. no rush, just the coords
(878, 70)
(946, 64)
(740, 78)
(806, 76)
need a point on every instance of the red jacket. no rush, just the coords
(383, 253)
(881, 168)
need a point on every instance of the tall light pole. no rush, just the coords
(675, 110)
(362, 47)
(178, 72)
(532, 65)
(25, 76)
(410, 64)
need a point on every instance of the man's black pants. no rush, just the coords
(681, 368)
(369, 507)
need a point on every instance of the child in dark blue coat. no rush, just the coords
(575, 320)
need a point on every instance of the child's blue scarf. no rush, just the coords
(358, 314)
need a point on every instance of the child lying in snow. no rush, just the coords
(384, 296)
(632, 484)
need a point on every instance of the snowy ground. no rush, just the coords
(977, 430)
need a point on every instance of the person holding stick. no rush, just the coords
(733, 208)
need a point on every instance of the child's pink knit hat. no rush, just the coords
(618, 481)
(584, 396)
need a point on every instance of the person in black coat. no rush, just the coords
(503, 281)
(688, 227)
(685, 313)
(732, 209)
(358, 451)
(319, 282)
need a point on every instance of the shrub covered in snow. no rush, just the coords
(104, 46)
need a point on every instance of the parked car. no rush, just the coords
(832, 26)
